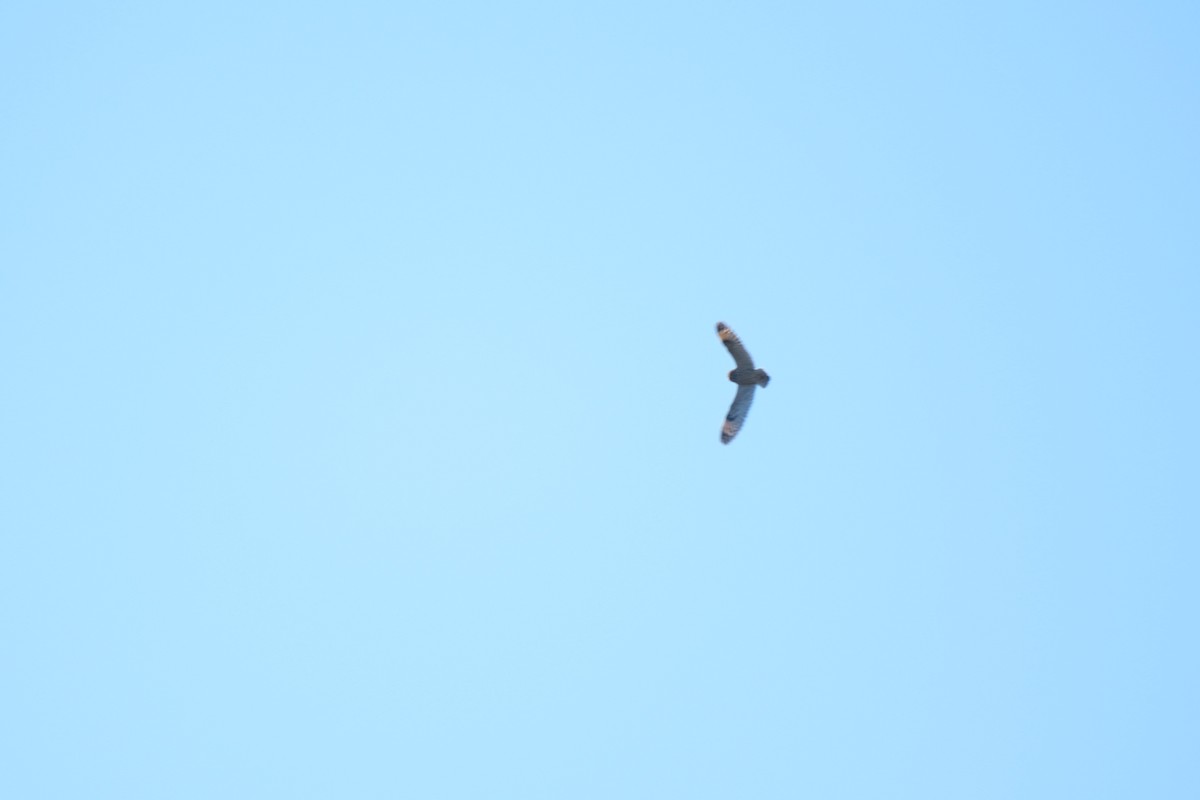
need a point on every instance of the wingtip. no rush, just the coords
(721, 326)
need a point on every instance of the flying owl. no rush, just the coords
(745, 376)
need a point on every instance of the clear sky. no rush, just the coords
(361, 400)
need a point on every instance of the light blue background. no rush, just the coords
(361, 400)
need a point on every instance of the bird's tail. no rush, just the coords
(763, 377)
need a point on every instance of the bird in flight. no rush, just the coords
(745, 376)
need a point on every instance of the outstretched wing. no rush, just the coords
(731, 340)
(737, 413)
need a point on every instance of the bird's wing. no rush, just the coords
(737, 413)
(736, 349)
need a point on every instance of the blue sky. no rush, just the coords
(362, 403)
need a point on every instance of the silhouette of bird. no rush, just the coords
(745, 376)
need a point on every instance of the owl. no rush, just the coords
(745, 376)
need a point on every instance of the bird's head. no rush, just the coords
(731, 375)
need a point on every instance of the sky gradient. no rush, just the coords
(362, 402)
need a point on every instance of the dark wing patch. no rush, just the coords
(735, 347)
(737, 413)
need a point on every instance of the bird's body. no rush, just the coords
(746, 376)
(749, 377)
